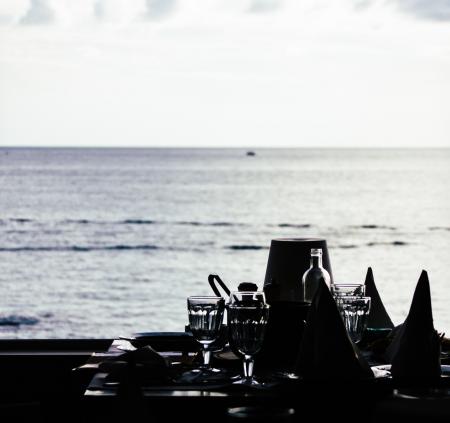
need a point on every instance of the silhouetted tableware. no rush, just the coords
(205, 321)
(347, 289)
(354, 312)
(288, 260)
(247, 324)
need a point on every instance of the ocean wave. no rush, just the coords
(18, 320)
(391, 228)
(138, 222)
(16, 231)
(129, 222)
(196, 223)
(110, 222)
(294, 225)
(370, 244)
(395, 243)
(155, 222)
(88, 221)
(15, 220)
(439, 228)
(81, 248)
(225, 224)
(131, 247)
(247, 247)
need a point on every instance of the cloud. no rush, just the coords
(362, 4)
(38, 13)
(5, 19)
(121, 12)
(99, 10)
(32, 12)
(158, 9)
(437, 10)
(261, 6)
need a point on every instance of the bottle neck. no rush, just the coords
(316, 261)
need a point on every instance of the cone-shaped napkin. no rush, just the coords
(378, 316)
(415, 350)
(326, 351)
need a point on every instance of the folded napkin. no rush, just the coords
(132, 370)
(144, 364)
(326, 350)
(415, 349)
(378, 316)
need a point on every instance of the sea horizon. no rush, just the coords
(112, 243)
(214, 147)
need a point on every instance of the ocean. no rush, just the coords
(107, 242)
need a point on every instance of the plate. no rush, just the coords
(434, 394)
(445, 369)
(164, 341)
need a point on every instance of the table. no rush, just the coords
(160, 402)
(371, 402)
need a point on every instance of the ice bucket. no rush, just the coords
(289, 258)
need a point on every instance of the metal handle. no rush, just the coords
(212, 279)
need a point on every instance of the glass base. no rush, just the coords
(202, 375)
(246, 381)
(207, 370)
(286, 375)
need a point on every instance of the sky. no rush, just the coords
(225, 73)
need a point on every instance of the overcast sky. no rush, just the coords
(261, 73)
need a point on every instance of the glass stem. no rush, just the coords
(206, 357)
(248, 367)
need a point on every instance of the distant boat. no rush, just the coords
(251, 153)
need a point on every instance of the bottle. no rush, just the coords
(311, 278)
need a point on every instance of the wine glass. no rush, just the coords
(247, 297)
(348, 289)
(247, 324)
(354, 311)
(205, 321)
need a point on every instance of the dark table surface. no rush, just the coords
(376, 400)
